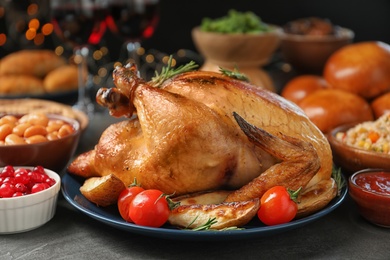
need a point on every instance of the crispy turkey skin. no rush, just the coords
(202, 131)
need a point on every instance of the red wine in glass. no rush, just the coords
(133, 21)
(79, 26)
(80, 23)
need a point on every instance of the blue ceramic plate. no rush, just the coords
(110, 216)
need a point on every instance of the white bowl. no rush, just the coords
(27, 212)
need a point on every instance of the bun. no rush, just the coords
(63, 78)
(20, 84)
(381, 105)
(328, 108)
(361, 68)
(36, 63)
(301, 86)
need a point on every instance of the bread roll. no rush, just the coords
(362, 68)
(20, 84)
(63, 78)
(301, 86)
(36, 63)
(328, 108)
(381, 105)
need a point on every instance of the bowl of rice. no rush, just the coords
(361, 146)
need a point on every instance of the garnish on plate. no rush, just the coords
(208, 224)
(337, 176)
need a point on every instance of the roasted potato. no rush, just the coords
(227, 214)
(323, 191)
(103, 191)
(212, 197)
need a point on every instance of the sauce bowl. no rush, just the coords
(370, 189)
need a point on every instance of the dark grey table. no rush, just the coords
(342, 234)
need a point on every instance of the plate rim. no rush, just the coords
(177, 234)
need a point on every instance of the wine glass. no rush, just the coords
(134, 21)
(80, 23)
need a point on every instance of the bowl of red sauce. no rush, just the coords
(370, 189)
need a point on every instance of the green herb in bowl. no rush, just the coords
(235, 22)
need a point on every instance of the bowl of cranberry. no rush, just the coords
(370, 189)
(28, 197)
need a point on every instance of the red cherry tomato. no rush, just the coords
(124, 200)
(277, 206)
(149, 208)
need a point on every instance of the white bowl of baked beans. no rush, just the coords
(28, 197)
(48, 140)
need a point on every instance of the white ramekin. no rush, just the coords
(31, 211)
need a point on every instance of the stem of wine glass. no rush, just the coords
(84, 103)
(132, 55)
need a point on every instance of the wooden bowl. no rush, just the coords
(373, 200)
(245, 52)
(309, 53)
(352, 159)
(238, 48)
(53, 155)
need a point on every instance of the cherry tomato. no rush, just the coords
(277, 206)
(124, 200)
(149, 208)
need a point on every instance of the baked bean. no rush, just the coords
(35, 130)
(52, 136)
(5, 130)
(35, 119)
(36, 139)
(13, 139)
(54, 125)
(21, 128)
(11, 120)
(65, 130)
(32, 128)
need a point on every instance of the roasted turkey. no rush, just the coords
(204, 131)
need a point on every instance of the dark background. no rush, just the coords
(369, 19)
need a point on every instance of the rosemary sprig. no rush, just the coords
(208, 224)
(234, 74)
(168, 72)
(337, 176)
(205, 226)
